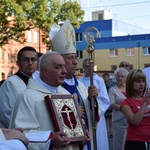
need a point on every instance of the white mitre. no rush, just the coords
(63, 38)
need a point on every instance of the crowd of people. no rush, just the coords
(121, 103)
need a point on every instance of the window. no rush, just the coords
(78, 37)
(113, 67)
(113, 52)
(80, 54)
(146, 65)
(35, 37)
(129, 51)
(146, 50)
(9, 57)
(29, 37)
(3, 56)
(100, 16)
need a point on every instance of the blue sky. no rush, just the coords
(136, 12)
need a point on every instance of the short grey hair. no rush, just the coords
(121, 69)
(46, 59)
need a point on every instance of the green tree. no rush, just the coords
(17, 16)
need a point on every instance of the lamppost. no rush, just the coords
(138, 45)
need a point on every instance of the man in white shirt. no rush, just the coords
(63, 41)
(27, 62)
(31, 112)
(102, 98)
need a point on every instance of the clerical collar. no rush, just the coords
(52, 89)
(23, 76)
(70, 81)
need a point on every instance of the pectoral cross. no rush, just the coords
(68, 116)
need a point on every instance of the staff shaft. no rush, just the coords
(90, 41)
(93, 105)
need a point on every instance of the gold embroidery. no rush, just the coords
(70, 39)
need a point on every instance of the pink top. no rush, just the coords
(124, 93)
(140, 132)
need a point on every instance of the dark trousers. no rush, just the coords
(134, 145)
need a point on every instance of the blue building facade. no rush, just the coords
(113, 34)
(119, 36)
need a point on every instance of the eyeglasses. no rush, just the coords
(27, 60)
(124, 65)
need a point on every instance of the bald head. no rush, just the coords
(125, 64)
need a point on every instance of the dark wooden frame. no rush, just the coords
(56, 103)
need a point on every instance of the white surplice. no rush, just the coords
(104, 103)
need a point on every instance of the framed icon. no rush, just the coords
(65, 116)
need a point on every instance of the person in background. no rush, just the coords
(108, 113)
(116, 95)
(103, 100)
(109, 81)
(125, 64)
(12, 139)
(65, 36)
(136, 108)
(27, 62)
(31, 112)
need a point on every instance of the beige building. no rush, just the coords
(107, 60)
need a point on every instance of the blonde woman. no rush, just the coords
(136, 108)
